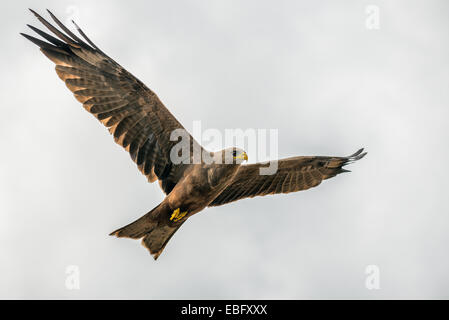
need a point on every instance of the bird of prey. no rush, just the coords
(142, 125)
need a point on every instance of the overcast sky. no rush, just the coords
(314, 70)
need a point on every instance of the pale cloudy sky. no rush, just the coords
(312, 70)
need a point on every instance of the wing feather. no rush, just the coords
(293, 174)
(134, 115)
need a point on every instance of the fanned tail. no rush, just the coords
(149, 227)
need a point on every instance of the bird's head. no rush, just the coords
(234, 155)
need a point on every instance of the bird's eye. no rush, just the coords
(234, 153)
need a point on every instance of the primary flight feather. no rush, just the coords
(142, 125)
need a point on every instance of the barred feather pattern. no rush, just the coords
(292, 175)
(134, 115)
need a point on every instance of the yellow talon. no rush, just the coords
(176, 215)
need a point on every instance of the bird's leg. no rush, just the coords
(177, 215)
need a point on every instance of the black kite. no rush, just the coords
(142, 125)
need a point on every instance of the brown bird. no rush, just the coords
(142, 125)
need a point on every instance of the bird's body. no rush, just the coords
(142, 125)
(196, 189)
(200, 186)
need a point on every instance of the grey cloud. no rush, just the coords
(311, 70)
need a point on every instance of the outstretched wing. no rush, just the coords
(293, 174)
(135, 116)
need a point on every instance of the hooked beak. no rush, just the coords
(243, 156)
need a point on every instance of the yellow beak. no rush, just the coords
(243, 156)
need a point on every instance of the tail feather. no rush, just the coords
(155, 233)
(138, 228)
(156, 240)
